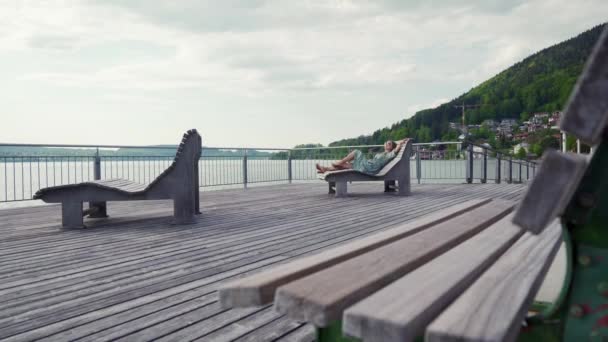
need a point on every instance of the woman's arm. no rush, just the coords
(400, 144)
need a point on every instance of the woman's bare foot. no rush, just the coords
(320, 169)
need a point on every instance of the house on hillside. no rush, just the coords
(490, 124)
(523, 136)
(508, 122)
(539, 118)
(455, 125)
(554, 120)
(534, 127)
(524, 126)
(505, 128)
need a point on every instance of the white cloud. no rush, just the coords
(433, 104)
(382, 56)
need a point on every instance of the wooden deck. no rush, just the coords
(136, 277)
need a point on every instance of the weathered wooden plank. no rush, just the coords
(493, 308)
(586, 113)
(142, 276)
(227, 209)
(123, 323)
(183, 256)
(270, 331)
(260, 289)
(247, 325)
(96, 243)
(401, 311)
(56, 313)
(142, 310)
(306, 333)
(71, 293)
(209, 222)
(51, 327)
(551, 190)
(199, 322)
(119, 318)
(121, 230)
(321, 298)
(202, 242)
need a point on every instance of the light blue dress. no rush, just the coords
(371, 166)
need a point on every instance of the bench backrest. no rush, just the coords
(401, 160)
(184, 167)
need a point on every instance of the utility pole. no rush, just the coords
(464, 106)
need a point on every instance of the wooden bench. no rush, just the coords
(469, 272)
(178, 182)
(398, 169)
(391, 286)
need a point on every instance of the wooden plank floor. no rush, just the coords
(135, 277)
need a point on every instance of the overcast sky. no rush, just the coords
(255, 73)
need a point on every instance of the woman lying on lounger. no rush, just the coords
(357, 161)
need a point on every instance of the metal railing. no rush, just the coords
(24, 170)
(489, 164)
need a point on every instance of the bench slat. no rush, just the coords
(493, 308)
(586, 114)
(260, 288)
(120, 184)
(322, 297)
(111, 181)
(551, 190)
(132, 187)
(401, 311)
(116, 182)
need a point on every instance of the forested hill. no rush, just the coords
(539, 83)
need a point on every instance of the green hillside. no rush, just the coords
(539, 83)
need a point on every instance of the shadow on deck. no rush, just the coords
(136, 277)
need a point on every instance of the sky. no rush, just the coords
(255, 73)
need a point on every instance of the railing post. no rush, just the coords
(97, 209)
(510, 179)
(245, 169)
(498, 170)
(527, 170)
(469, 164)
(484, 168)
(533, 170)
(520, 172)
(418, 165)
(289, 169)
(97, 166)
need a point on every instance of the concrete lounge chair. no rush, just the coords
(398, 169)
(178, 182)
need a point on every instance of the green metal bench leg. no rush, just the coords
(584, 313)
(333, 333)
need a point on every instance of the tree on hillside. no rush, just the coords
(541, 82)
(521, 153)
